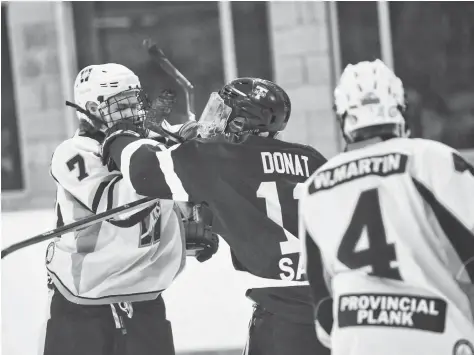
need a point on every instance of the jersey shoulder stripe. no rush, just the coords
(460, 237)
(143, 164)
(77, 168)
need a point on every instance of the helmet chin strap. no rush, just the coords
(85, 112)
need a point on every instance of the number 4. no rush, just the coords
(367, 220)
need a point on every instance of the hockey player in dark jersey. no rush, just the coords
(250, 180)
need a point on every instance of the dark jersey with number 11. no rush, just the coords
(252, 188)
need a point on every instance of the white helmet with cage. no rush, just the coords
(109, 92)
(370, 102)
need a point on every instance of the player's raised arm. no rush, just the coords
(150, 169)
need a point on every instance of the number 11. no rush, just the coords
(268, 190)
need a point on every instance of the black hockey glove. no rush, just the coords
(121, 128)
(198, 231)
(160, 111)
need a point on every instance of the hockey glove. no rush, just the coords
(159, 113)
(180, 133)
(198, 231)
(121, 128)
(189, 130)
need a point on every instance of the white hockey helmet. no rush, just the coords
(104, 85)
(369, 102)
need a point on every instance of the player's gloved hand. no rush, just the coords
(209, 245)
(198, 231)
(189, 130)
(121, 128)
(158, 114)
(184, 131)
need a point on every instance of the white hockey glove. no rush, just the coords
(180, 133)
(188, 130)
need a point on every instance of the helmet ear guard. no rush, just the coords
(89, 115)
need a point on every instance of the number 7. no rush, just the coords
(79, 161)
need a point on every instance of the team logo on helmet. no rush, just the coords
(463, 347)
(85, 74)
(50, 252)
(369, 99)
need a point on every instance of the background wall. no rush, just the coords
(301, 45)
(39, 100)
(294, 44)
(303, 66)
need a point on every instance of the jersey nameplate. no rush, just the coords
(381, 165)
(285, 163)
(392, 310)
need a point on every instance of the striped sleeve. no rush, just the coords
(150, 168)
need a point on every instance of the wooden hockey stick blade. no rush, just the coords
(158, 55)
(82, 223)
(160, 58)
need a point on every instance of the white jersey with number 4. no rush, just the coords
(131, 257)
(394, 224)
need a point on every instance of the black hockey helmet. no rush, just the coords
(247, 105)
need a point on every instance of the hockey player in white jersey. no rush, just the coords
(392, 220)
(107, 279)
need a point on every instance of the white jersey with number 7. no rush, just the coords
(394, 224)
(131, 257)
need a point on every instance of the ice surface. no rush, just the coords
(206, 304)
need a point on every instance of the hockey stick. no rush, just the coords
(159, 57)
(82, 223)
(86, 222)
